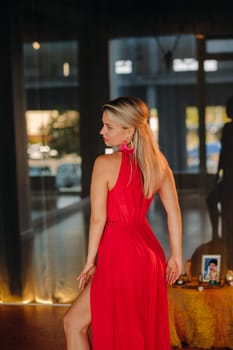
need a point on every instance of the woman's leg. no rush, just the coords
(77, 321)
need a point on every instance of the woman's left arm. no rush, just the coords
(169, 198)
(98, 199)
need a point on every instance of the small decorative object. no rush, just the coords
(200, 278)
(229, 277)
(213, 282)
(180, 282)
(211, 268)
(187, 270)
(200, 288)
(222, 281)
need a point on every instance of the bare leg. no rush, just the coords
(77, 321)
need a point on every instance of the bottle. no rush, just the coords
(200, 286)
(200, 279)
(187, 268)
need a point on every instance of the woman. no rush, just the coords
(124, 289)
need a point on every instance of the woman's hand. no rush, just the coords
(85, 276)
(173, 270)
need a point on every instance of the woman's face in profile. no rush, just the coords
(113, 134)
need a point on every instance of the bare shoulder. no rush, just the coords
(107, 167)
(108, 160)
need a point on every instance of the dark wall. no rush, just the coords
(53, 98)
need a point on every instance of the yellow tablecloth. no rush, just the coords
(201, 319)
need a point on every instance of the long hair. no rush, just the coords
(129, 111)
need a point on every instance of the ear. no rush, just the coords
(131, 131)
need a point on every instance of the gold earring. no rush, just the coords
(131, 144)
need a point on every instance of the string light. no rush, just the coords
(36, 45)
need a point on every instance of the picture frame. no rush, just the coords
(210, 269)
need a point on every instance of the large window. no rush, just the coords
(163, 71)
(54, 166)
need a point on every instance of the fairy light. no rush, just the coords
(66, 69)
(36, 45)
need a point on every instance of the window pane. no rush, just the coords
(219, 45)
(192, 139)
(215, 119)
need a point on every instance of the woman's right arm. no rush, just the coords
(169, 198)
(98, 200)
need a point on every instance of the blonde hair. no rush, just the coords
(132, 112)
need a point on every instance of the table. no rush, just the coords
(201, 319)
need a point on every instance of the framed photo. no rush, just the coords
(211, 267)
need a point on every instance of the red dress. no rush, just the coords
(129, 307)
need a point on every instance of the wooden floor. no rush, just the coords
(32, 327)
(26, 327)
